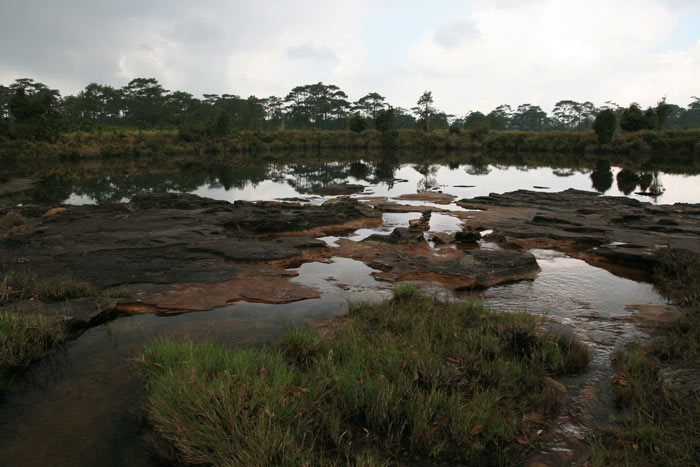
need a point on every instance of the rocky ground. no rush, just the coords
(612, 230)
(180, 252)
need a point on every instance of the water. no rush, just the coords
(274, 182)
(78, 405)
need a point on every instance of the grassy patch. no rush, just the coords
(23, 338)
(657, 425)
(411, 377)
(22, 286)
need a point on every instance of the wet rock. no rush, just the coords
(468, 236)
(336, 189)
(428, 196)
(180, 247)
(442, 238)
(422, 224)
(588, 224)
(454, 268)
(399, 236)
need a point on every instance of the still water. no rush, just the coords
(77, 407)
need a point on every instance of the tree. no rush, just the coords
(633, 118)
(529, 117)
(425, 110)
(370, 104)
(34, 110)
(384, 120)
(604, 125)
(663, 111)
(318, 105)
(500, 117)
(145, 102)
(567, 114)
(357, 123)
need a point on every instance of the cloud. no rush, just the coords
(470, 54)
(312, 52)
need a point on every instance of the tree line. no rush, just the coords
(32, 110)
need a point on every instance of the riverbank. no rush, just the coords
(120, 143)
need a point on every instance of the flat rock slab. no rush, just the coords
(428, 196)
(621, 230)
(452, 267)
(178, 251)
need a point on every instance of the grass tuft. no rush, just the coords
(20, 286)
(413, 376)
(11, 222)
(24, 338)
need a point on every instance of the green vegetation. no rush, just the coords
(30, 110)
(659, 423)
(24, 338)
(16, 287)
(21, 286)
(604, 125)
(411, 377)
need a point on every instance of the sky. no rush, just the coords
(472, 55)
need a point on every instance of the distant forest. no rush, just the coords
(32, 110)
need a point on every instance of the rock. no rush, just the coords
(53, 212)
(428, 196)
(682, 379)
(453, 268)
(468, 236)
(421, 224)
(615, 230)
(398, 236)
(335, 189)
(183, 252)
(442, 238)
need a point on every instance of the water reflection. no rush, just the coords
(386, 176)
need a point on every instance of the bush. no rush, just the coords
(604, 125)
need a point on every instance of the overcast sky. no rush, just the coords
(473, 55)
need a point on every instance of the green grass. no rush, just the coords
(411, 377)
(656, 425)
(23, 286)
(24, 338)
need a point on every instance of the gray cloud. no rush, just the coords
(455, 33)
(312, 52)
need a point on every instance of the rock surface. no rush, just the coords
(178, 252)
(615, 229)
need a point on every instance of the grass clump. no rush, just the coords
(21, 286)
(658, 423)
(412, 376)
(11, 222)
(24, 338)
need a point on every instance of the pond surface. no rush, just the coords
(227, 181)
(77, 407)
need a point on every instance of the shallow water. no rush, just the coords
(77, 407)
